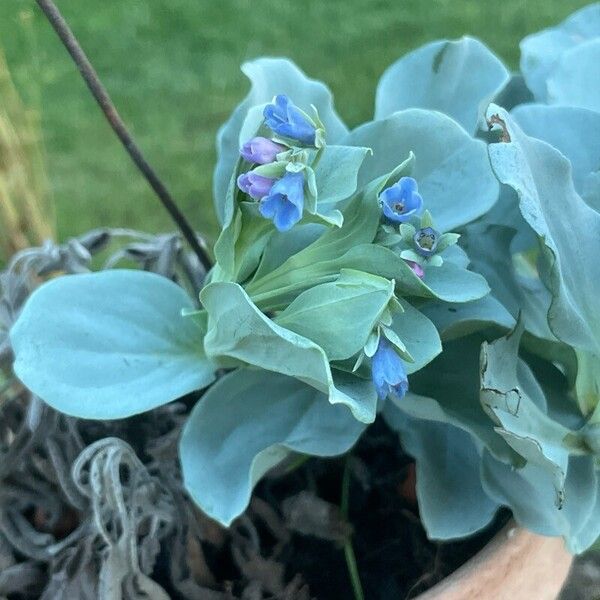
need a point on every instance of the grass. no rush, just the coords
(26, 217)
(172, 67)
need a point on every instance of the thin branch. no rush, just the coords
(110, 112)
(348, 547)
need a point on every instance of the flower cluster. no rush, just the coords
(408, 230)
(278, 180)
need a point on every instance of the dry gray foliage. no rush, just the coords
(94, 509)
(89, 519)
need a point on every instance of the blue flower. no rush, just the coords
(389, 374)
(401, 201)
(426, 241)
(285, 119)
(261, 150)
(285, 202)
(255, 185)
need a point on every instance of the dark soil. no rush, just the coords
(301, 531)
(289, 545)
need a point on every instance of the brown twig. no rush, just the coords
(108, 108)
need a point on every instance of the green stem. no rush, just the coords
(348, 548)
(317, 158)
(296, 463)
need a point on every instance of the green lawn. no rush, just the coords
(172, 67)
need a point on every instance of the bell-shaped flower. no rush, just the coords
(284, 118)
(255, 185)
(285, 202)
(401, 201)
(387, 368)
(261, 150)
(426, 241)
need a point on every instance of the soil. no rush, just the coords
(301, 531)
(288, 545)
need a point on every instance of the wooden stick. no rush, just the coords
(112, 116)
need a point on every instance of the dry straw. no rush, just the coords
(26, 212)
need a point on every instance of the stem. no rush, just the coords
(112, 116)
(296, 463)
(348, 548)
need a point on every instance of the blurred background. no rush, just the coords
(172, 68)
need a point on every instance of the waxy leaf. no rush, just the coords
(452, 77)
(459, 320)
(451, 168)
(248, 422)
(418, 334)
(240, 245)
(541, 52)
(109, 345)
(573, 131)
(448, 391)
(336, 174)
(452, 502)
(574, 80)
(512, 396)
(566, 225)
(238, 330)
(530, 494)
(339, 316)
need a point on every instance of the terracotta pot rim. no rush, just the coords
(515, 565)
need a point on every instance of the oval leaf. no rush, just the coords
(247, 423)
(109, 345)
(451, 77)
(541, 52)
(451, 168)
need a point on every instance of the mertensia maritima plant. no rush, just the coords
(437, 266)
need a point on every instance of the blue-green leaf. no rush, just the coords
(452, 77)
(451, 168)
(336, 174)
(450, 282)
(541, 52)
(572, 82)
(447, 391)
(324, 312)
(110, 344)
(530, 495)
(566, 225)
(459, 320)
(573, 131)
(418, 334)
(269, 77)
(238, 330)
(512, 396)
(240, 246)
(452, 502)
(247, 423)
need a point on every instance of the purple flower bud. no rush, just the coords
(401, 201)
(261, 150)
(255, 185)
(389, 374)
(417, 269)
(285, 202)
(284, 118)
